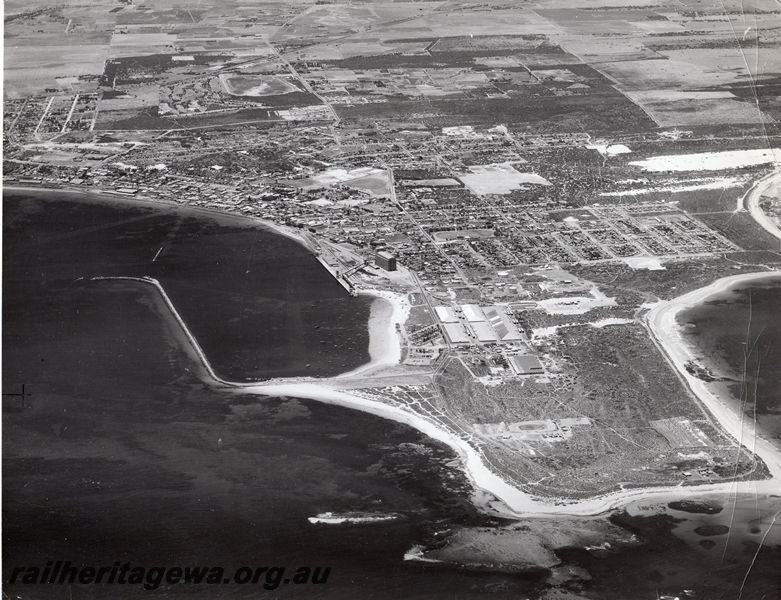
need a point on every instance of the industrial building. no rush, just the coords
(456, 333)
(484, 331)
(526, 364)
(446, 314)
(473, 313)
(490, 324)
(385, 260)
(505, 330)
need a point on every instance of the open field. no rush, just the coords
(240, 85)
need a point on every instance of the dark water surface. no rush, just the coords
(259, 304)
(739, 334)
(122, 453)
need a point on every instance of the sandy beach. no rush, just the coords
(662, 322)
(512, 501)
(768, 185)
(509, 501)
(492, 492)
(388, 311)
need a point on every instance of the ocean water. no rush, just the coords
(738, 333)
(259, 304)
(120, 451)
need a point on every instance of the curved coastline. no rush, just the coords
(754, 195)
(511, 501)
(662, 321)
(383, 349)
(98, 195)
(388, 312)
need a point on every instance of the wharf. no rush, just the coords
(343, 280)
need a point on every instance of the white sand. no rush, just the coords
(710, 161)
(387, 311)
(576, 305)
(662, 322)
(340, 175)
(543, 332)
(385, 350)
(651, 263)
(767, 186)
(499, 178)
(268, 85)
(609, 149)
(719, 183)
(610, 321)
(459, 131)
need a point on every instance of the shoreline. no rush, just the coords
(511, 501)
(102, 195)
(388, 312)
(384, 349)
(752, 198)
(663, 324)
